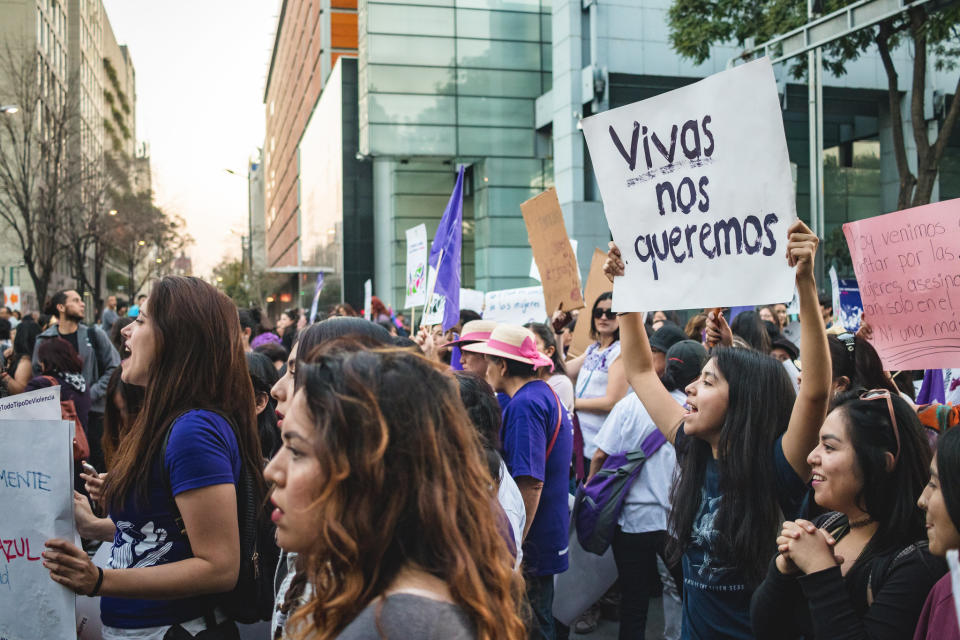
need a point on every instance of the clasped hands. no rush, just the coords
(805, 548)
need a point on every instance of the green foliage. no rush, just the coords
(229, 276)
(696, 25)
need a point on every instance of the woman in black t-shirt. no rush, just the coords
(863, 570)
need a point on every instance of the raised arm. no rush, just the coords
(810, 408)
(638, 363)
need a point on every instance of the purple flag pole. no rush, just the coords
(445, 255)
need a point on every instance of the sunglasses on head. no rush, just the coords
(609, 313)
(884, 394)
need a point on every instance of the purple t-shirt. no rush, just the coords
(529, 422)
(202, 452)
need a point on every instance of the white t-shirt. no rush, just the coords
(592, 383)
(563, 387)
(648, 503)
(511, 500)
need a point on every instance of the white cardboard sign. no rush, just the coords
(698, 193)
(42, 404)
(515, 306)
(36, 499)
(416, 266)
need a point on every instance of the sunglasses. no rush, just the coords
(609, 313)
(877, 394)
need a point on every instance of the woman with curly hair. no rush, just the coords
(386, 497)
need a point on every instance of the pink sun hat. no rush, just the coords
(513, 343)
(473, 331)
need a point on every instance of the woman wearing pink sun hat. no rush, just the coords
(537, 440)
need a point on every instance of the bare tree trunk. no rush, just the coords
(907, 179)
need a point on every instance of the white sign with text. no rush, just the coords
(36, 499)
(515, 306)
(698, 193)
(416, 266)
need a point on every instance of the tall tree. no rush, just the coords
(696, 25)
(37, 177)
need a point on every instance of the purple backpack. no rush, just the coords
(598, 503)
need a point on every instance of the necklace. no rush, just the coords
(856, 524)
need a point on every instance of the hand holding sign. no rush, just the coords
(71, 566)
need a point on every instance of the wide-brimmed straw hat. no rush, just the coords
(473, 331)
(513, 343)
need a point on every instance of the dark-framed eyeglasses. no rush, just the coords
(599, 313)
(877, 394)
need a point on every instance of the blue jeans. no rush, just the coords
(540, 597)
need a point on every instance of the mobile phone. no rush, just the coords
(89, 468)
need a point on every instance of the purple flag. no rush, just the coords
(448, 239)
(932, 388)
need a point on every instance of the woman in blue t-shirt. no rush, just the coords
(537, 440)
(742, 444)
(165, 572)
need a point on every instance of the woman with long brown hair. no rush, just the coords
(165, 572)
(382, 489)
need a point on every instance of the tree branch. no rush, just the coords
(907, 180)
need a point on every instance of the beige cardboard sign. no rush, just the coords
(552, 252)
(597, 284)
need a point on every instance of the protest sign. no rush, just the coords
(850, 309)
(36, 499)
(908, 268)
(471, 299)
(597, 283)
(556, 261)
(11, 298)
(698, 193)
(515, 306)
(416, 266)
(535, 272)
(42, 404)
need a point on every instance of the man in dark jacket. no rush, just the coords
(98, 355)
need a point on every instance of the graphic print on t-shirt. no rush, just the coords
(134, 548)
(704, 535)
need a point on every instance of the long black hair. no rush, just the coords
(263, 375)
(948, 470)
(481, 404)
(888, 495)
(859, 362)
(748, 326)
(549, 339)
(761, 398)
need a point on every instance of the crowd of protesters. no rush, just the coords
(421, 488)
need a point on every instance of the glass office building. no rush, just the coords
(450, 82)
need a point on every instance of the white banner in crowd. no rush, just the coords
(471, 299)
(367, 299)
(515, 306)
(698, 193)
(12, 298)
(416, 266)
(42, 404)
(36, 499)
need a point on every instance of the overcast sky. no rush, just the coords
(200, 69)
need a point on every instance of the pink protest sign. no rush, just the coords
(908, 267)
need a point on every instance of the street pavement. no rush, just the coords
(608, 629)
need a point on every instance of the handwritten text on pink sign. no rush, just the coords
(908, 268)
